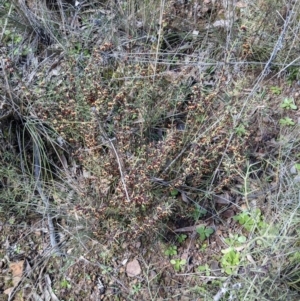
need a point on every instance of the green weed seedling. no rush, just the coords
(295, 257)
(204, 269)
(235, 240)
(297, 166)
(181, 238)
(293, 74)
(199, 289)
(240, 130)
(276, 90)
(106, 270)
(65, 284)
(289, 104)
(172, 250)
(198, 212)
(135, 289)
(250, 220)
(174, 192)
(11, 220)
(204, 232)
(287, 121)
(246, 220)
(178, 264)
(230, 261)
(203, 247)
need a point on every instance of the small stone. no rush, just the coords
(124, 261)
(133, 268)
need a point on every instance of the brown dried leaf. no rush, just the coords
(8, 291)
(17, 268)
(241, 4)
(184, 197)
(228, 214)
(16, 280)
(223, 199)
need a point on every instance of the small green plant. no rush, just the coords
(18, 249)
(12, 37)
(235, 240)
(230, 261)
(172, 250)
(198, 212)
(293, 74)
(174, 192)
(181, 238)
(203, 247)
(65, 284)
(204, 232)
(106, 269)
(295, 257)
(204, 268)
(199, 289)
(240, 130)
(11, 220)
(178, 264)
(246, 220)
(78, 49)
(286, 121)
(297, 166)
(289, 104)
(135, 288)
(250, 220)
(276, 90)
